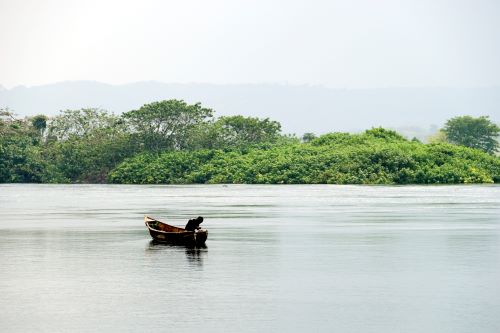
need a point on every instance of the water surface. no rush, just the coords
(78, 258)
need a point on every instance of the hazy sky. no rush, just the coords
(337, 43)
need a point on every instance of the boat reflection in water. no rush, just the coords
(194, 255)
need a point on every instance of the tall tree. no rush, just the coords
(479, 133)
(240, 131)
(83, 122)
(167, 125)
(85, 144)
(39, 122)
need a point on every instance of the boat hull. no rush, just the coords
(189, 238)
(165, 233)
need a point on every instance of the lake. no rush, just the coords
(318, 258)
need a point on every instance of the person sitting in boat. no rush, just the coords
(194, 224)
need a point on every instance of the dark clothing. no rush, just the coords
(194, 224)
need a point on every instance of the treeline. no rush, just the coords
(83, 146)
(172, 142)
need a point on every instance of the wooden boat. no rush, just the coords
(166, 233)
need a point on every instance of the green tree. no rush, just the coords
(166, 125)
(85, 144)
(39, 122)
(479, 133)
(20, 155)
(10, 124)
(386, 134)
(308, 137)
(83, 122)
(240, 131)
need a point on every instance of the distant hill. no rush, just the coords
(299, 108)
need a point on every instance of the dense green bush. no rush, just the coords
(377, 156)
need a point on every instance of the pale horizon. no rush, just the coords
(270, 83)
(337, 44)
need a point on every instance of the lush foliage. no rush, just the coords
(85, 145)
(20, 155)
(76, 146)
(377, 156)
(172, 142)
(239, 131)
(478, 133)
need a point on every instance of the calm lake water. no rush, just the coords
(78, 258)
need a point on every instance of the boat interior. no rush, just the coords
(157, 225)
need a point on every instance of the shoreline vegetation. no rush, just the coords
(377, 156)
(172, 142)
